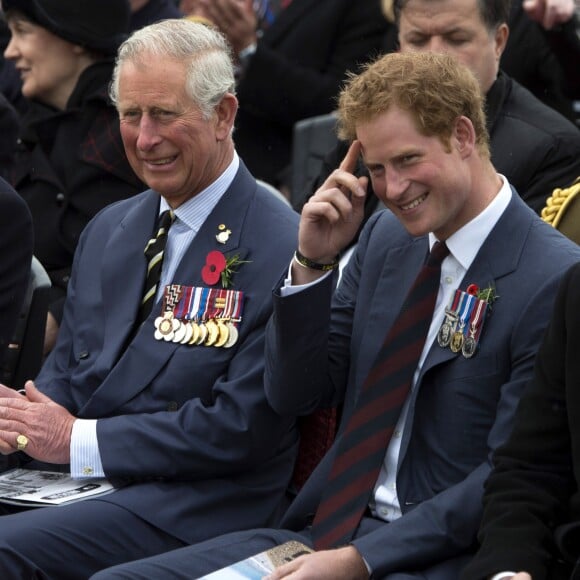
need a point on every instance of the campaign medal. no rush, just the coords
(233, 315)
(475, 326)
(469, 346)
(187, 333)
(223, 333)
(464, 312)
(446, 331)
(180, 312)
(233, 335)
(202, 333)
(212, 333)
(194, 332)
(179, 332)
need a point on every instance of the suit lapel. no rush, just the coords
(124, 271)
(229, 214)
(130, 372)
(399, 270)
(494, 260)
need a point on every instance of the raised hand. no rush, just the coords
(235, 18)
(549, 13)
(331, 217)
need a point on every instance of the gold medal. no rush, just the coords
(194, 332)
(202, 333)
(212, 333)
(456, 341)
(223, 334)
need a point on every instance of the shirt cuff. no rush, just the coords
(85, 459)
(503, 575)
(288, 289)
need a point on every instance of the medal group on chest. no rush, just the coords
(464, 318)
(200, 316)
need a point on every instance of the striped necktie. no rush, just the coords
(154, 253)
(363, 443)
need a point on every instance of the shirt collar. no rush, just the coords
(195, 211)
(466, 242)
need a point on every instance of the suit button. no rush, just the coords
(172, 406)
(84, 354)
(60, 198)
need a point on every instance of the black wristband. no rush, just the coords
(307, 263)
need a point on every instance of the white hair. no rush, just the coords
(210, 74)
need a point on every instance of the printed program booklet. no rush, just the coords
(31, 487)
(258, 566)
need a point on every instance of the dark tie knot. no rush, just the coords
(166, 219)
(438, 253)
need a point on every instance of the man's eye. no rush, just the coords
(377, 171)
(418, 41)
(457, 40)
(129, 115)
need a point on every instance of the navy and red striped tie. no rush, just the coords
(364, 442)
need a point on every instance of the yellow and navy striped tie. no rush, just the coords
(154, 253)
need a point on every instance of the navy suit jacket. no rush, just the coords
(187, 429)
(319, 353)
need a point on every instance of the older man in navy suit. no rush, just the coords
(417, 119)
(172, 409)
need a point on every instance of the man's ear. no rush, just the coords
(464, 136)
(225, 115)
(502, 33)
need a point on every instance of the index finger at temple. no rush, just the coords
(350, 159)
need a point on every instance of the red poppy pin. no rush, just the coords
(486, 294)
(218, 267)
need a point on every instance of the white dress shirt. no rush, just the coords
(85, 458)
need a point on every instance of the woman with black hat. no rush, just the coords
(70, 159)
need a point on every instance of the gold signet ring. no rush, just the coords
(21, 442)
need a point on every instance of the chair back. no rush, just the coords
(312, 139)
(317, 433)
(23, 357)
(273, 190)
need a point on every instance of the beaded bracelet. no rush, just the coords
(307, 263)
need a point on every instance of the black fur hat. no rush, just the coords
(99, 25)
